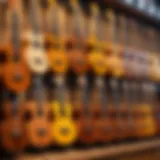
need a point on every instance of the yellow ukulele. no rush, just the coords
(63, 128)
(96, 55)
(112, 49)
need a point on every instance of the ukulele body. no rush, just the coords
(78, 60)
(86, 130)
(13, 132)
(58, 60)
(119, 125)
(38, 125)
(64, 130)
(16, 76)
(144, 121)
(104, 128)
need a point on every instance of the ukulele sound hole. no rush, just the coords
(16, 134)
(80, 62)
(18, 77)
(48, 45)
(28, 116)
(88, 130)
(65, 131)
(42, 132)
(58, 62)
(38, 61)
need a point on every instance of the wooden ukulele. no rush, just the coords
(141, 116)
(34, 53)
(103, 124)
(57, 55)
(16, 74)
(98, 65)
(96, 55)
(148, 110)
(78, 55)
(13, 132)
(128, 108)
(116, 113)
(37, 116)
(113, 51)
(78, 60)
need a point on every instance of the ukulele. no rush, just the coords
(16, 74)
(115, 112)
(78, 60)
(37, 116)
(139, 112)
(64, 129)
(148, 109)
(13, 132)
(34, 55)
(128, 108)
(96, 55)
(57, 55)
(99, 68)
(103, 124)
(113, 59)
(78, 55)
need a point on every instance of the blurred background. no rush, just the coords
(79, 79)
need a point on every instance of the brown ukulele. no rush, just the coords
(78, 55)
(128, 108)
(14, 138)
(37, 116)
(103, 124)
(116, 112)
(97, 62)
(16, 74)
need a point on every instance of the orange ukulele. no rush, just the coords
(37, 116)
(16, 74)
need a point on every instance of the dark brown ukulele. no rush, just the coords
(119, 127)
(14, 138)
(103, 125)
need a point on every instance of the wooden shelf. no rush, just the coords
(131, 11)
(94, 152)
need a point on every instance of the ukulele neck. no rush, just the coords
(100, 84)
(39, 94)
(61, 93)
(116, 95)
